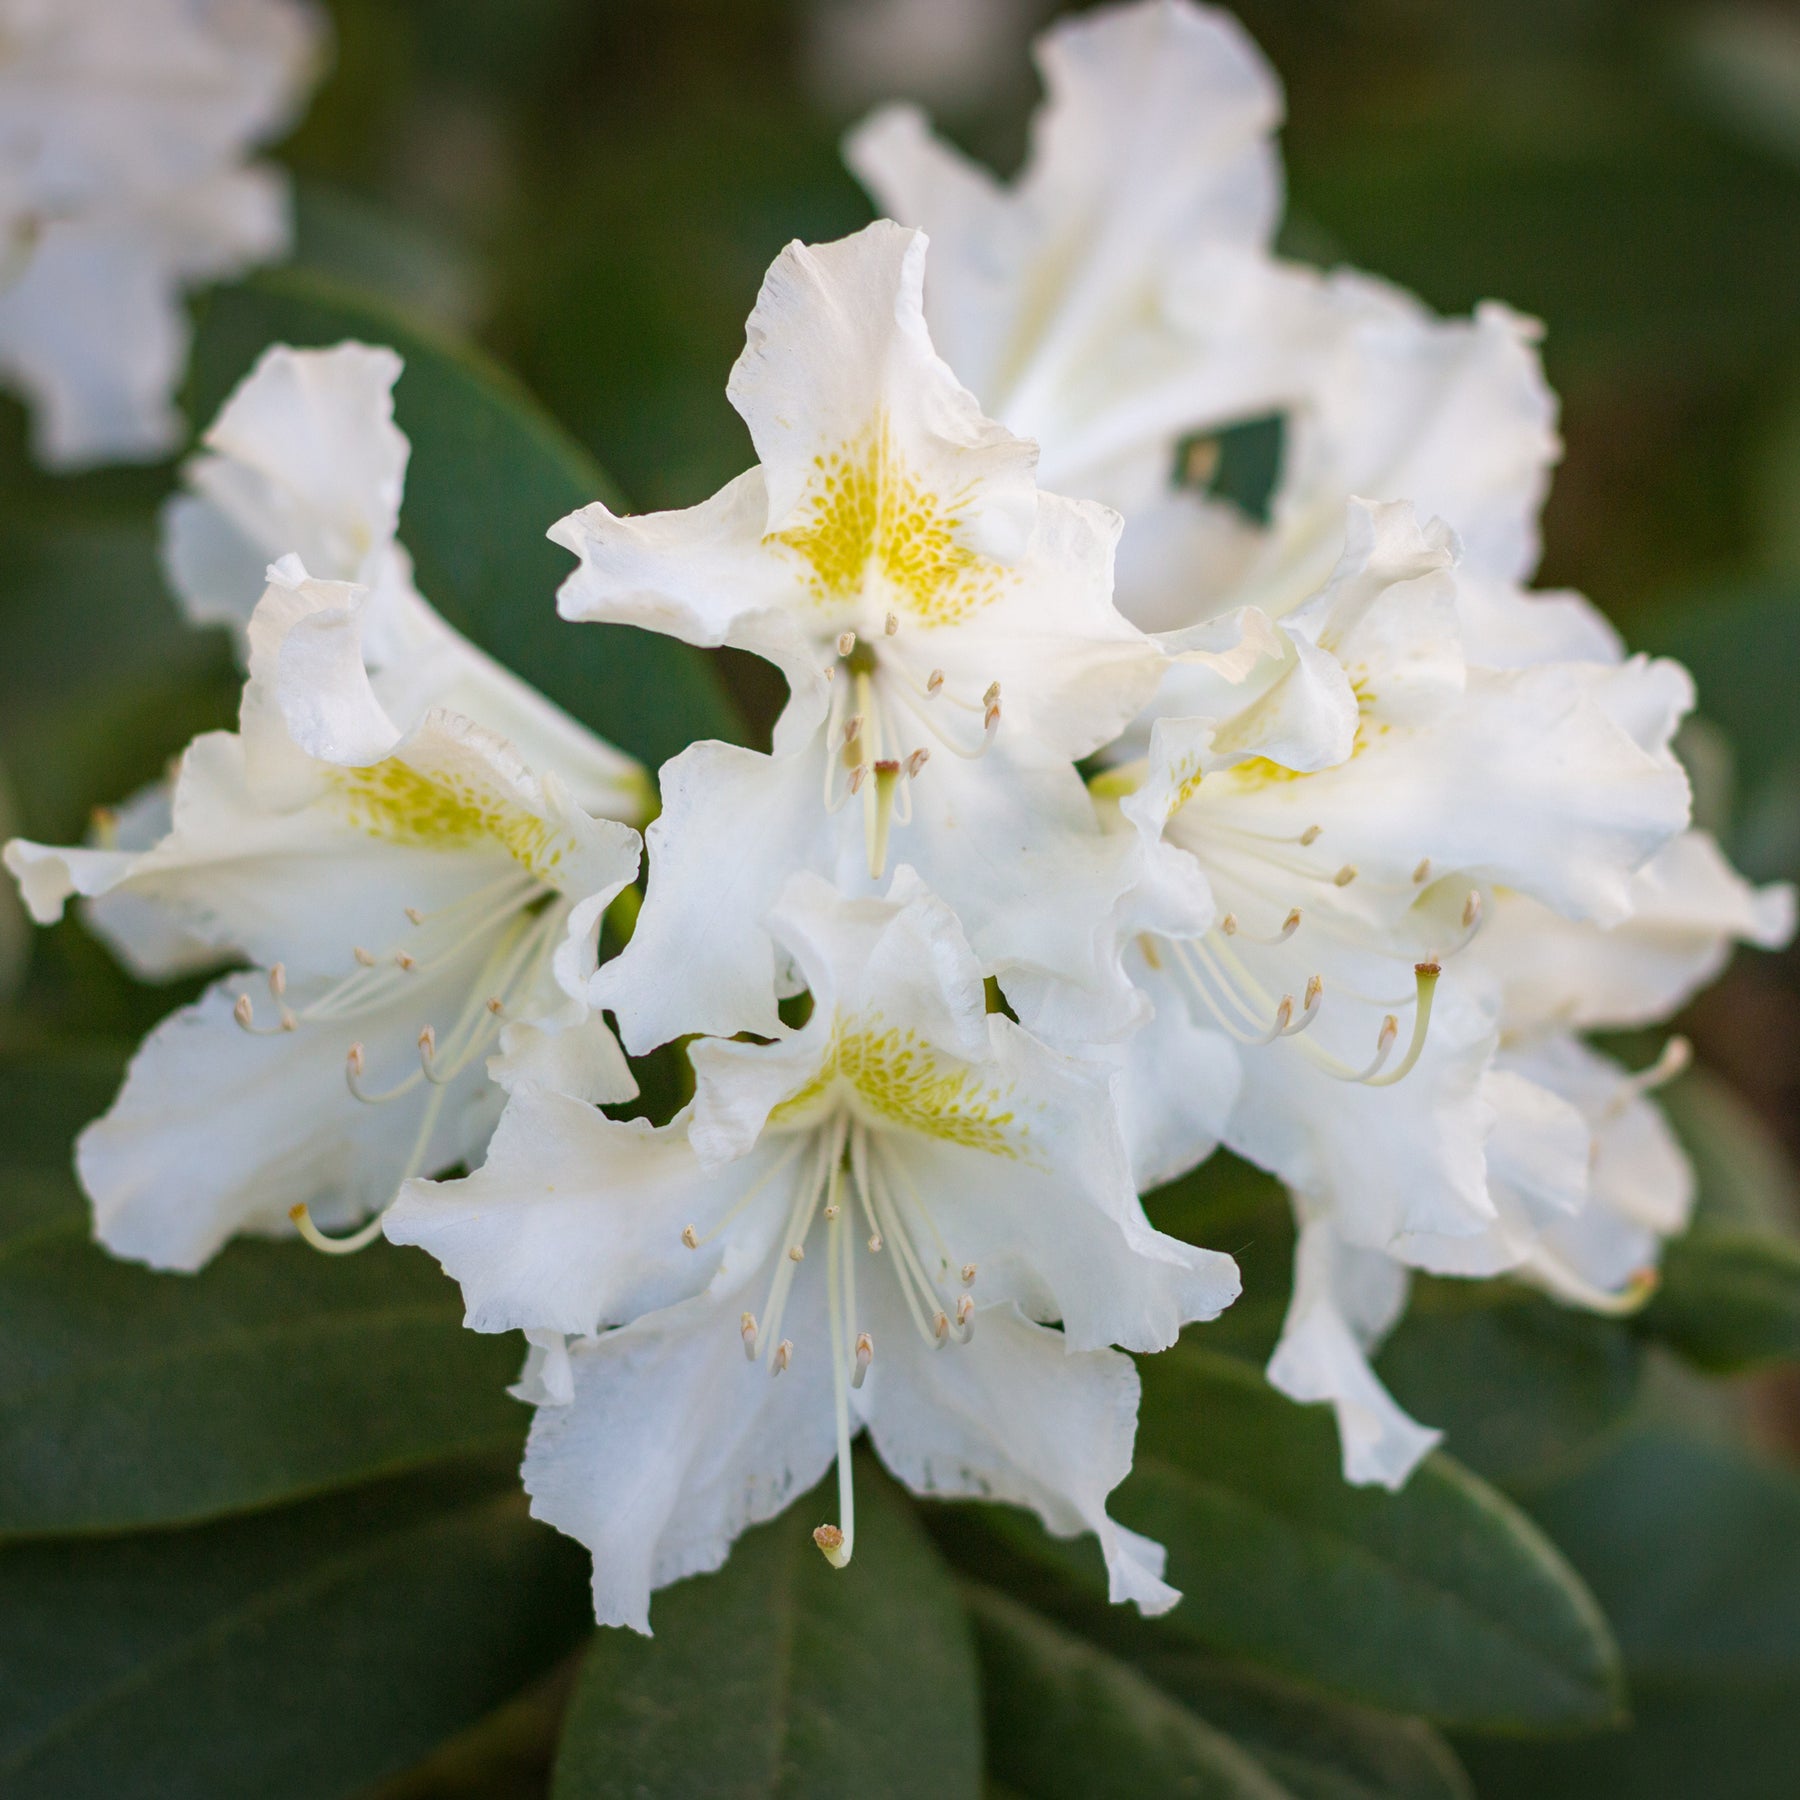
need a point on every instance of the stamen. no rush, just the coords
(940, 1324)
(409, 964)
(796, 1253)
(1422, 873)
(1426, 975)
(1471, 916)
(846, 642)
(278, 980)
(365, 957)
(691, 1238)
(865, 1354)
(747, 1329)
(965, 1317)
(417, 917)
(830, 1213)
(427, 1045)
(1677, 1055)
(892, 624)
(359, 1239)
(992, 696)
(784, 1354)
(933, 682)
(878, 816)
(1231, 928)
(991, 720)
(244, 1012)
(917, 761)
(875, 1243)
(1344, 876)
(1310, 835)
(968, 1274)
(858, 776)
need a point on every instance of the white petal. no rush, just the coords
(215, 1132)
(674, 1444)
(574, 1221)
(1345, 1301)
(1015, 1415)
(836, 342)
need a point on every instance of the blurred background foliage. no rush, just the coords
(589, 191)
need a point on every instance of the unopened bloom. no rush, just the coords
(858, 1224)
(411, 896)
(124, 129)
(948, 635)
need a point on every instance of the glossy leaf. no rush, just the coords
(1729, 1299)
(782, 1677)
(300, 1655)
(1518, 1384)
(1066, 1721)
(1695, 1550)
(131, 1398)
(1442, 1600)
(490, 473)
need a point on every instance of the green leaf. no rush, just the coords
(1729, 1299)
(1066, 1721)
(1518, 1384)
(1745, 1176)
(130, 1398)
(300, 1655)
(1442, 1600)
(780, 1676)
(1695, 1550)
(490, 473)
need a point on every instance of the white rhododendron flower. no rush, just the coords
(305, 459)
(412, 897)
(892, 555)
(1119, 304)
(861, 1223)
(124, 131)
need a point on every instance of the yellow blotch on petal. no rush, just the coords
(865, 513)
(402, 805)
(903, 1081)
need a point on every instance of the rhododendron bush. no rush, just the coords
(1005, 1090)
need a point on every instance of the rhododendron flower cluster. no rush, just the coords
(1104, 824)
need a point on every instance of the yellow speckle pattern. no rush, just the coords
(906, 1083)
(1186, 787)
(866, 514)
(403, 805)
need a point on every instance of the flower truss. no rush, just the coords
(124, 127)
(1325, 840)
(858, 1224)
(414, 860)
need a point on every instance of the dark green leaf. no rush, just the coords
(490, 473)
(1695, 1550)
(1729, 1299)
(1746, 1179)
(300, 1655)
(1518, 1384)
(780, 1676)
(1442, 1600)
(1066, 1721)
(129, 1398)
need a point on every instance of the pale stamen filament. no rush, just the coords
(839, 1542)
(807, 1196)
(1231, 927)
(695, 1239)
(1677, 1055)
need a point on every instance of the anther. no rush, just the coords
(747, 1330)
(406, 962)
(858, 776)
(427, 1043)
(353, 1060)
(365, 957)
(796, 1253)
(991, 719)
(846, 642)
(917, 761)
(691, 1238)
(417, 917)
(992, 696)
(934, 683)
(784, 1354)
(831, 1542)
(278, 980)
(1228, 924)
(965, 1317)
(940, 1328)
(1426, 975)
(892, 624)
(1422, 873)
(244, 1012)
(1315, 989)
(1471, 916)
(1344, 876)
(968, 1274)
(865, 1354)
(496, 1006)
(875, 1243)
(1311, 834)
(831, 1212)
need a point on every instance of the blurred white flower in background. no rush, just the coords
(125, 128)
